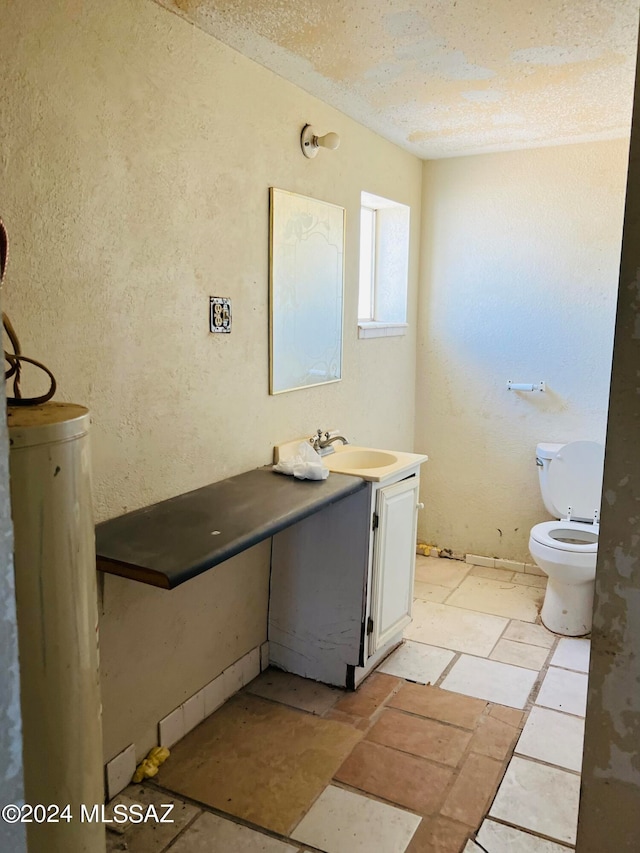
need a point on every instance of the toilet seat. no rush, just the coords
(550, 534)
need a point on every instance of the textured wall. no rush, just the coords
(135, 169)
(519, 279)
(610, 806)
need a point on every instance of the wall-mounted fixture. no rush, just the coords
(310, 143)
(220, 314)
(526, 386)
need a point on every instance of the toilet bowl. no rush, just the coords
(566, 549)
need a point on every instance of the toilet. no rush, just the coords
(566, 549)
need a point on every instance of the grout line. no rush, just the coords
(558, 711)
(445, 672)
(271, 701)
(345, 786)
(448, 595)
(441, 722)
(569, 669)
(506, 761)
(528, 831)
(521, 755)
(502, 635)
(180, 834)
(205, 807)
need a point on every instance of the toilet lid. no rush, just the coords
(575, 479)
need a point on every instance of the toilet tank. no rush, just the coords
(545, 452)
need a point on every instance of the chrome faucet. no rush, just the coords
(322, 442)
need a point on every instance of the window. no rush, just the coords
(384, 267)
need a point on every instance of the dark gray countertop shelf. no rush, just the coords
(170, 542)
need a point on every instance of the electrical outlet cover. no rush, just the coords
(220, 314)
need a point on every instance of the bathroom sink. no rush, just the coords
(349, 458)
(369, 462)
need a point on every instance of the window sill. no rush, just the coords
(373, 329)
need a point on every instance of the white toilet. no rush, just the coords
(566, 550)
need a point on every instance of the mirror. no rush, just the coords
(306, 275)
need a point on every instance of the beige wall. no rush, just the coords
(135, 172)
(518, 281)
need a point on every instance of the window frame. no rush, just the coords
(373, 326)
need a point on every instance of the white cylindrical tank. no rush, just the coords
(57, 621)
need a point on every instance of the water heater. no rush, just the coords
(57, 621)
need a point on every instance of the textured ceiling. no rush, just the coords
(447, 77)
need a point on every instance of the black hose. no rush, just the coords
(15, 359)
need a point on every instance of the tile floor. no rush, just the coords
(468, 739)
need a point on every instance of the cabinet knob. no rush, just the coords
(420, 506)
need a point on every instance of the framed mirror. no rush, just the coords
(306, 282)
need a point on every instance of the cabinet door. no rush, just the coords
(394, 559)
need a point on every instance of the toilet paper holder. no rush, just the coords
(526, 386)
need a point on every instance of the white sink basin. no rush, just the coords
(366, 462)
(348, 458)
(369, 462)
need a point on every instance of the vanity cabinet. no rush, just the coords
(342, 583)
(394, 549)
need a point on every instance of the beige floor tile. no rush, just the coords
(360, 723)
(438, 704)
(259, 761)
(499, 598)
(344, 822)
(554, 738)
(491, 573)
(294, 691)
(420, 736)
(499, 838)
(540, 798)
(430, 592)
(530, 580)
(438, 835)
(454, 628)
(520, 654)
(371, 694)
(507, 715)
(417, 662)
(211, 832)
(563, 690)
(534, 635)
(405, 780)
(472, 791)
(494, 738)
(490, 680)
(442, 572)
(572, 653)
(147, 837)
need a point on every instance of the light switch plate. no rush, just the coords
(220, 314)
